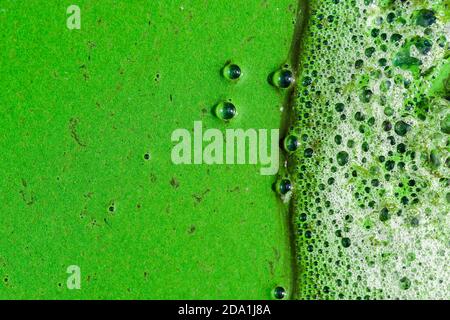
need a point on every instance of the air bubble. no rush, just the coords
(291, 143)
(279, 293)
(342, 158)
(405, 283)
(384, 215)
(232, 72)
(283, 78)
(284, 186)
(225, 111)
(402, 128)
(346, 242)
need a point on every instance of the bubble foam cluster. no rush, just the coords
(371, 174)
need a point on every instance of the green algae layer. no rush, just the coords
(371, 177)
(86, 176)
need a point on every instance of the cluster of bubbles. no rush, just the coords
(226, 110)
(370, 151)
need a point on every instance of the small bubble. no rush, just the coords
(388, 111)
(232, 71)
(291, 143)
(369, 52)
(414, 222)
(308, 153)
(365, 146)
(283, 78)
(306, 81)
(396, 37)
(359, 64)
(405, 283)
(401, 148)
(423, 45)
(389, 165)
(225, 111)
(366, 95)
(382, 62)
(375, 32)
(346, 242)
(279, 293)
(339, 107)
(342, 158)
(384, 215)
(390, 17)
(284, 186)
(387, 126)
(359, 116)
(402, 128)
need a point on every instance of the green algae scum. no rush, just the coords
(117, 180)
